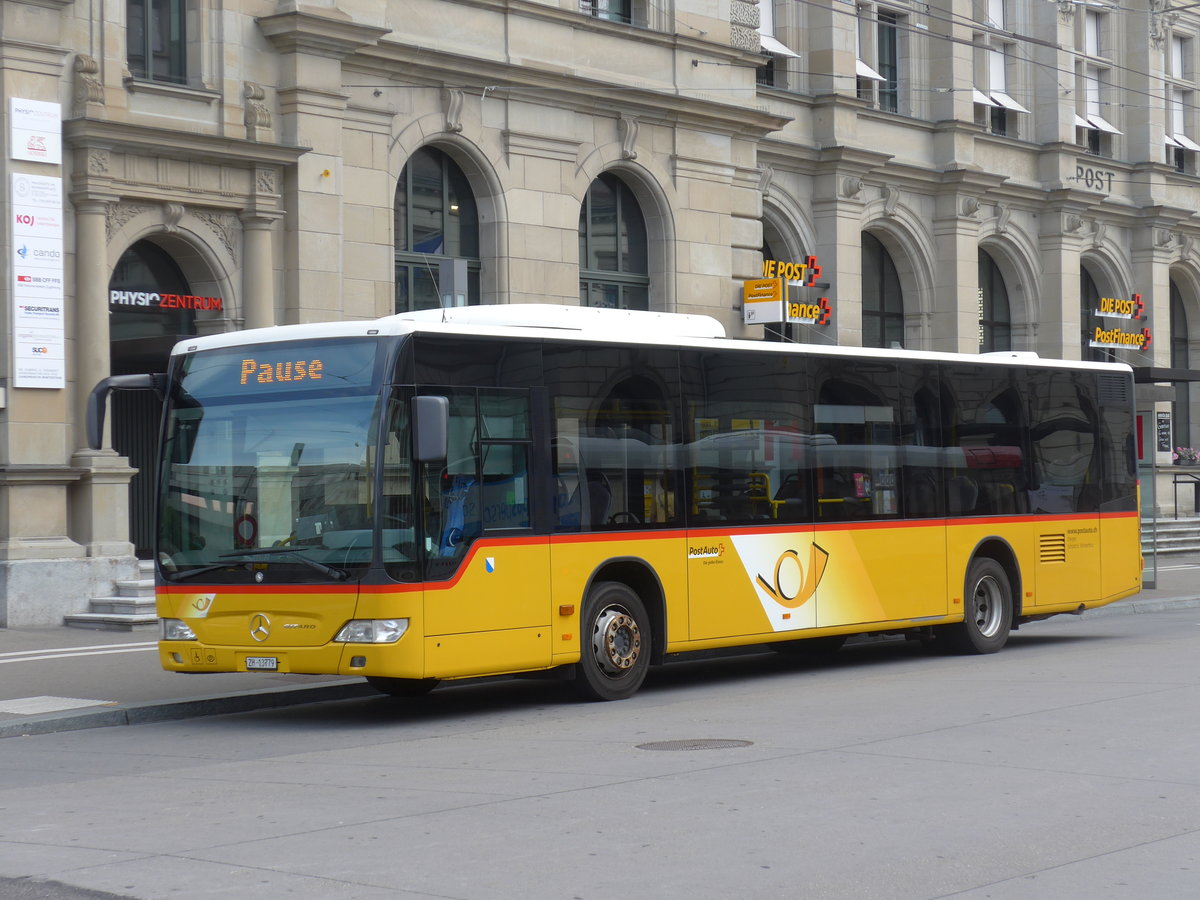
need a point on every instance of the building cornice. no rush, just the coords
(165, 142)
(330, 33)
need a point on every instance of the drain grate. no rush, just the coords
(697, 744)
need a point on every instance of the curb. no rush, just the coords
(1144, 605)
(274, 698)
(168, 710)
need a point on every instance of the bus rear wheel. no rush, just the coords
(402, 687)
(614, 653)
(987, 610)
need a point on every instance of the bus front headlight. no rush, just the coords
(372, 631)
(177, 630)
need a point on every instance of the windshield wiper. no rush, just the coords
(296, 554)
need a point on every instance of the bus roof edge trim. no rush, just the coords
(593, 320)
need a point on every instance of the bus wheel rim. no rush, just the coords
(988, 606)
(617, 641)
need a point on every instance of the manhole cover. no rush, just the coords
(698, 744)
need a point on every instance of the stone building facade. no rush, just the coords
(970, 174)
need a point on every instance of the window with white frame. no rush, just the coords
(1181, 58)
(877, 63)
(995, 106)
(773, 73)
(1179, 133)
(1094, 127)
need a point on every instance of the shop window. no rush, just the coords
(1180, 359)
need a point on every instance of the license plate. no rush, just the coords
(267, 663)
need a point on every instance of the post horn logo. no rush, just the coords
(793, 586)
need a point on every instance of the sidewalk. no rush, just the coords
(62, 679)
(65, 679)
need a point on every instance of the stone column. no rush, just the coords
(1059, 326)
(840, 196)
(91, 307)
(99, 508)
(258, 271)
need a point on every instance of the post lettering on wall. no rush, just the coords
(783, 294)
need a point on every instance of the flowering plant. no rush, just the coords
(1186, 456)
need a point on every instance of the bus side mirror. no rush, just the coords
(98, 400)
(431, 428)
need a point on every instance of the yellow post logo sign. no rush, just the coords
(762, 301)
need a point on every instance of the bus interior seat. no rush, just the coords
(920, 494)
(792, 487)
(599, 498)
(962, 495)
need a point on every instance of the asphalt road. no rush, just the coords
(1062, 767)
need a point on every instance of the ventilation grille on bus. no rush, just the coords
(1114, 390)
(1053, 548)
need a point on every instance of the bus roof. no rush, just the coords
(580, 323)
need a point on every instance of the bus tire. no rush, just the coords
(614, 652)
(987, 609)
(402, 687)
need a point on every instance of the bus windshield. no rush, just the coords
(268, 462)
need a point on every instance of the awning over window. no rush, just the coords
(1102, 124)
(1171, 142)
(775, 46)
(865, 71)
(1152, 375)
(981, 97)
(1186, 142)
(1008, 102)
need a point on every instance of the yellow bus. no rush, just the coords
(583, 492)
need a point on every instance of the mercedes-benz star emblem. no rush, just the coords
(260, 627)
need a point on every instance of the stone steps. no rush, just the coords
(1172, 536)
(130, 608)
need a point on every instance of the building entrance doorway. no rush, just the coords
(148, 312)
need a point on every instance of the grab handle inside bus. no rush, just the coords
(431, 427)
(98, 400)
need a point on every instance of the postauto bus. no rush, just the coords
(581, 492)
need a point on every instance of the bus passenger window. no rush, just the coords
(858, 462)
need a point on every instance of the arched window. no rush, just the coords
(1089, 302)
(1180, 359)
(613, 260)
(995, 322)
(882, 297)
(435, 219)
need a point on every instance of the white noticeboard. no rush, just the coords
(37, 282)
(36, 130)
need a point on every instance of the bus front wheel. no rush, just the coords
(614, 652)
(987, 610)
